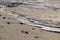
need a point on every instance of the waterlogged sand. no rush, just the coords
(14, 27)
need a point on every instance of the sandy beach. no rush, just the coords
(30, 20)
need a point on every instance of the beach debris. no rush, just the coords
(29, 32)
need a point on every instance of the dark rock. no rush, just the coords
(4, 17)
(21, 23)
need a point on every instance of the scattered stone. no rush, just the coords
(26, 32)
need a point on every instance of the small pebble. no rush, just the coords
(0, 15)
(8, 22)
(1, 26)
(4, 17)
